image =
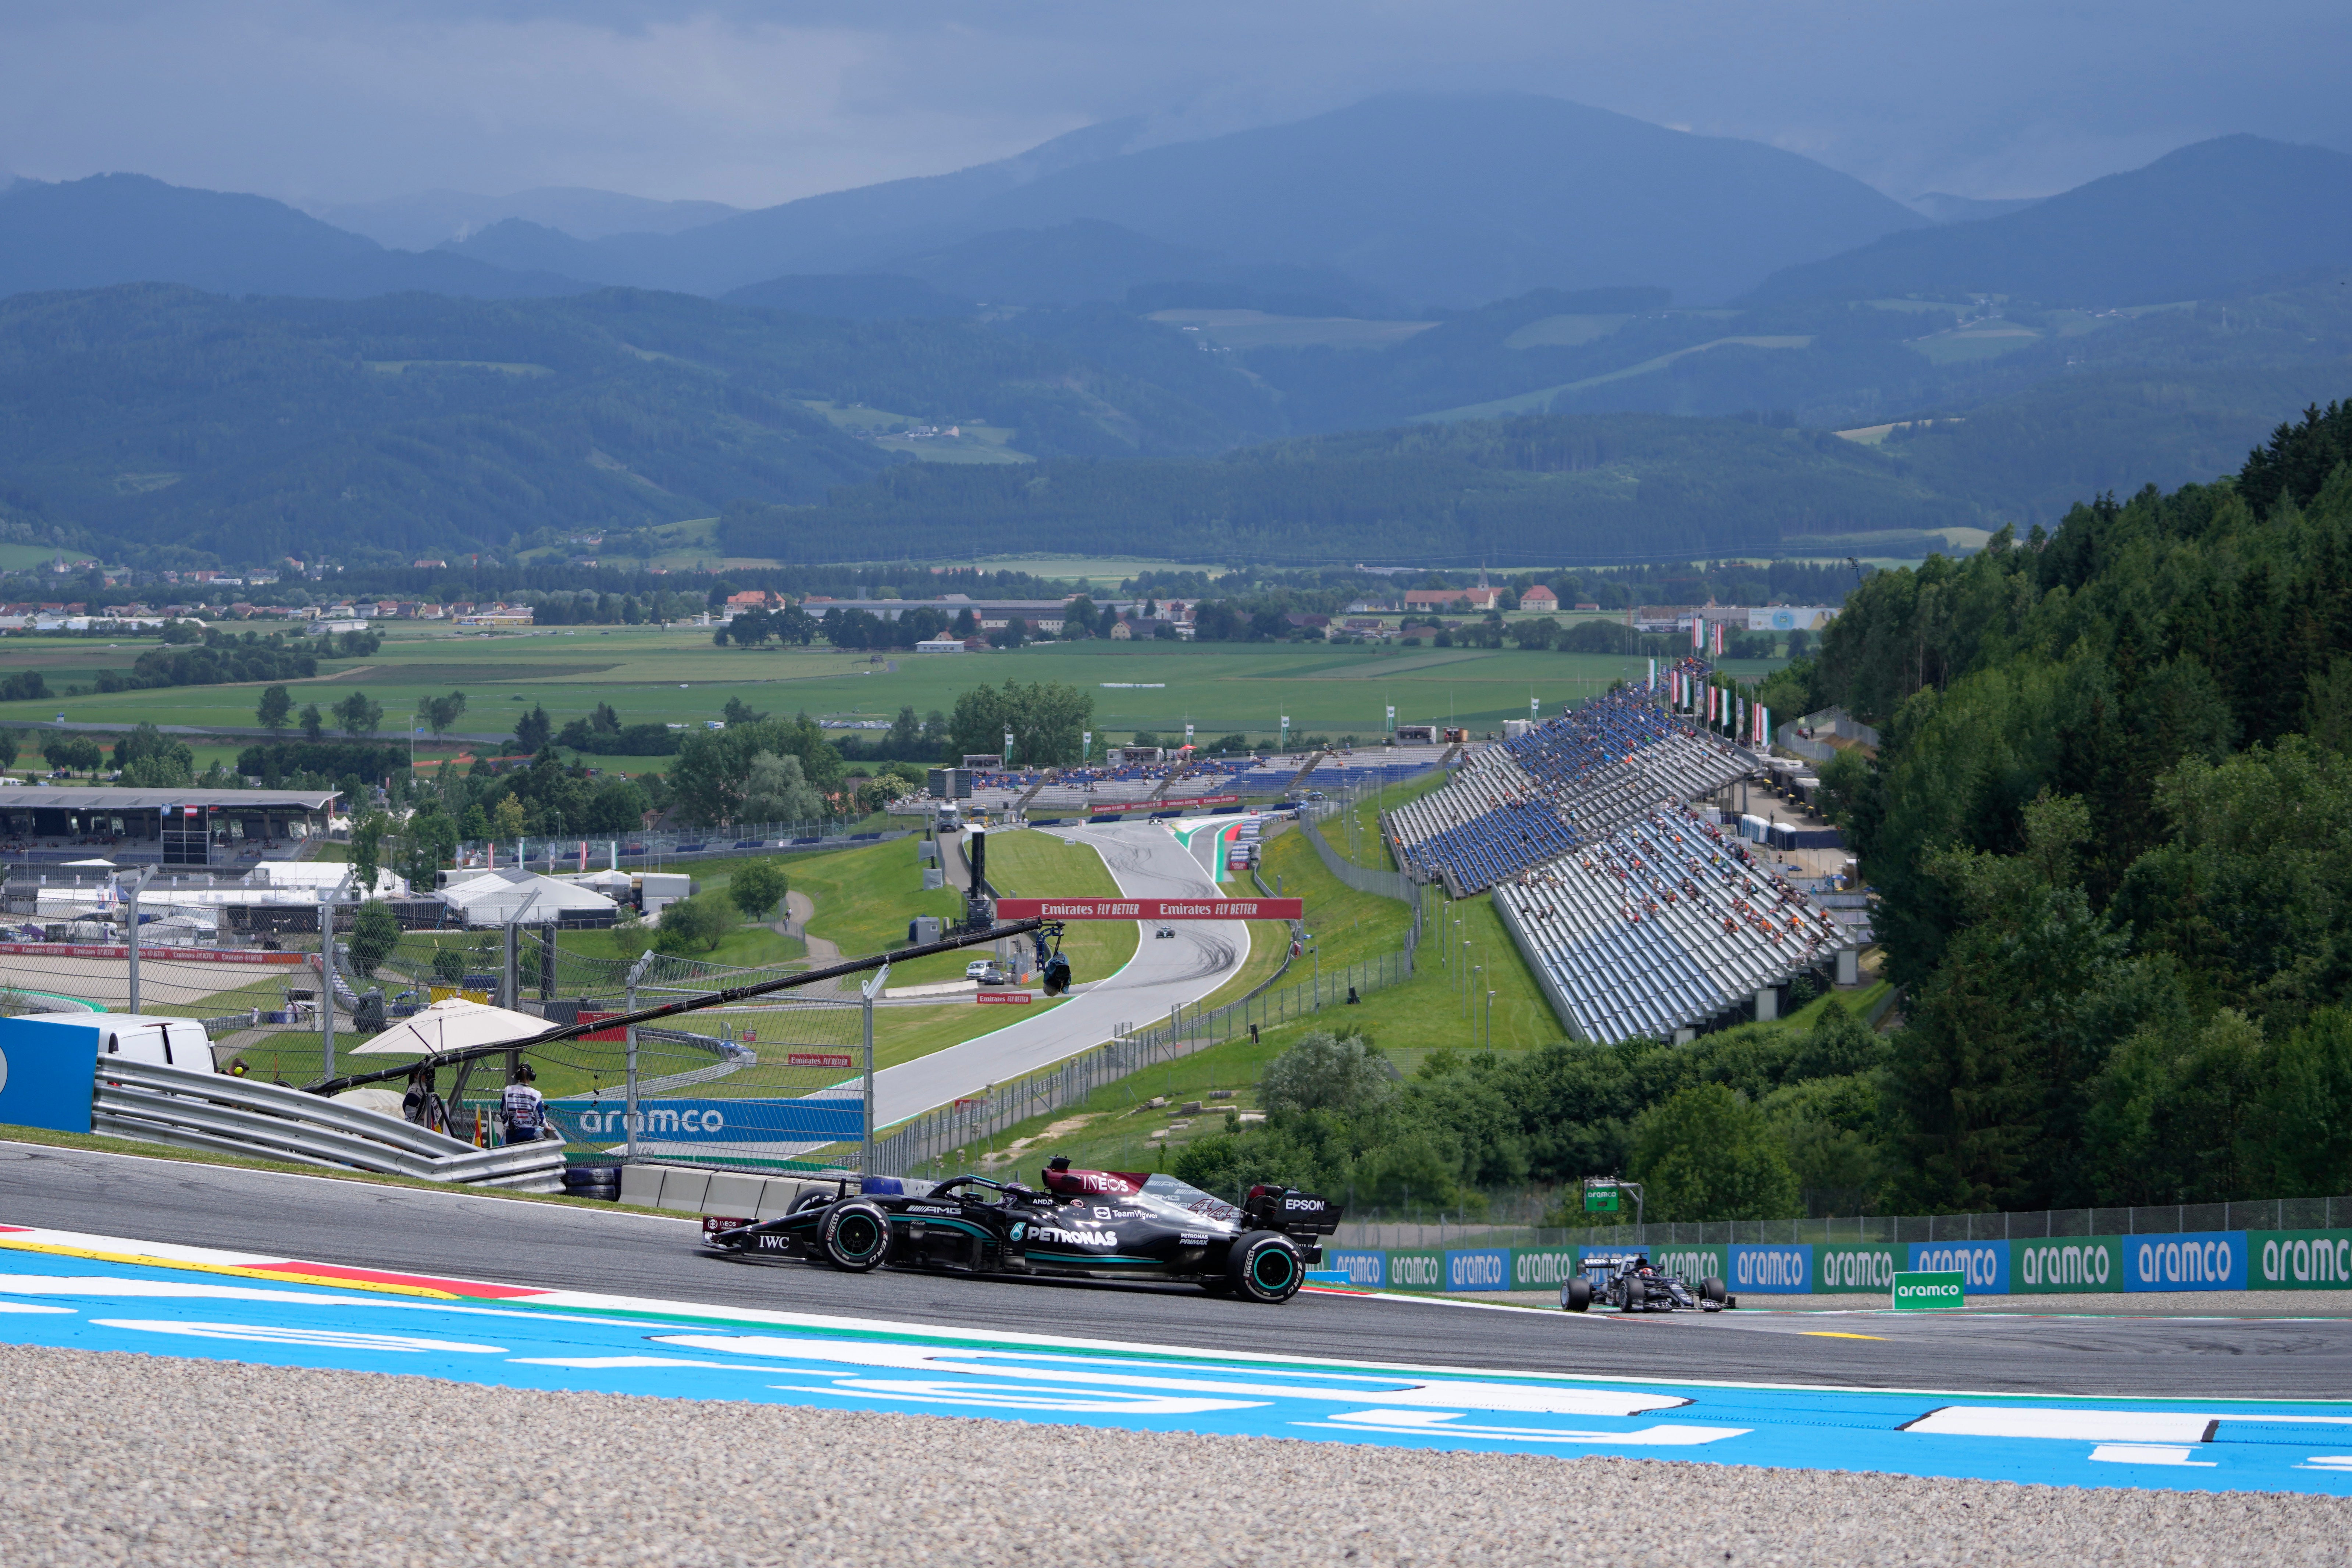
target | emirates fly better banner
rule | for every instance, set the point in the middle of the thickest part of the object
(1150, 909)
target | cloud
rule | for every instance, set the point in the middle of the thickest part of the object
(757, 102)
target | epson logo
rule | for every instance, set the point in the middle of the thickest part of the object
(1312, 1205)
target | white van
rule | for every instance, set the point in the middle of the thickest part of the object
(163, 1042)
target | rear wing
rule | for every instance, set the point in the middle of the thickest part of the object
(1291, 1212)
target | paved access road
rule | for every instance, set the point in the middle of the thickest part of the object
(560, 1247)
(1166, 971)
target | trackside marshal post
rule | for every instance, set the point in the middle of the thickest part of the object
(1150, 909)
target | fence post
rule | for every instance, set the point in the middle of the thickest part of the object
(629, 1115)
(327, 984)
(867, 994)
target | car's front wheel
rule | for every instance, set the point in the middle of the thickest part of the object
(855, 1236)
(1576, 1296)
(1266, 1265)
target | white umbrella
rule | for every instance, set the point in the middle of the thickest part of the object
(454, 1024)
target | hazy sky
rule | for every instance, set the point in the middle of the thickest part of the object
(754, 102)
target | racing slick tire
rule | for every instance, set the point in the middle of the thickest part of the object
(1714, 1289)
(1576, 1296)
(1266, 1265)
(855, 1236)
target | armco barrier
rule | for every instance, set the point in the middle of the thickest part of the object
(237, 1116)
(2208, 1260)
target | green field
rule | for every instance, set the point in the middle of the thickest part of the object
(651, 675)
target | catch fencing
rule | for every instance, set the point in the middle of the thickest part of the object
(2274, 1244)
(766, 1082)
(1363, 878)
(577, 853)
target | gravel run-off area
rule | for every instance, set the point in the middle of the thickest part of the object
(155, 1460)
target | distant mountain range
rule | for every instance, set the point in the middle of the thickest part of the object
(128, 228)
(1407, 264)
(2194, 223)
(427, 218)
(1443, 200)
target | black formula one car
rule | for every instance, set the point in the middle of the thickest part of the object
(1626, 1281)
(1101, 1225)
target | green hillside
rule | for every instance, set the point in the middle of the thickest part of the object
(1536, 489)
(249, 428)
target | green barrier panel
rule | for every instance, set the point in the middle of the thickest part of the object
(1416, 1271)
(1856, 1266)
(2067, 1264)
(1544, 1267)
(2299, 1259)
(1926, 1292)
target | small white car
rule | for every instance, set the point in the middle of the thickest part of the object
(984, 971)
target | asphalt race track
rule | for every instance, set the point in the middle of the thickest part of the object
(2118, 1355)
(1147, 862)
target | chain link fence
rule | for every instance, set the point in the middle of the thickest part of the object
(1363, 878)
(1460, 1230)
(296, 993)
(650, 851)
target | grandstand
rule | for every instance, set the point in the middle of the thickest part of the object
(1565, 783)
(1661, 927)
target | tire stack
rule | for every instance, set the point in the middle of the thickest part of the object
(599, 1181)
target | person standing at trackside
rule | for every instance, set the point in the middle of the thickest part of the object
(523, 1108)
(422, 1104)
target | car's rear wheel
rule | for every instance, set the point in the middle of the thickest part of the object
(1266, 1265)
(855, 1236)
(1577, 1294)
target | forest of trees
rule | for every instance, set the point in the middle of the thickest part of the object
(2111, 830)
(2111, 825)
